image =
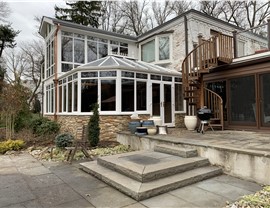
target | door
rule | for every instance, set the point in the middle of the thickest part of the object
(264, 100)
(162, 103)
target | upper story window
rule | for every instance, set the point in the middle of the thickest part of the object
(119, 48)
(73, 50)
(79, 49)
(157, 50)
(50, 57)
(96, 48)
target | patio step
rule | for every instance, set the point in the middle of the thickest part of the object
(145, 173)
(175, 150)
(139, 190)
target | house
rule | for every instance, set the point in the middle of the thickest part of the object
(127, 74)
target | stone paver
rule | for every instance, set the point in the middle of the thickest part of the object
(26, 182)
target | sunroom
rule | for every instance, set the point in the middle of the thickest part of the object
(120, 86)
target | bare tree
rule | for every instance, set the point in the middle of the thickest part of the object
(23, 66)
(212, 8)
(112, 18)
(162, 11)
(233, 12)
(136, 13)
(4, 11)
(179, 7)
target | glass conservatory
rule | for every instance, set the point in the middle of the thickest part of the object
(120, 86)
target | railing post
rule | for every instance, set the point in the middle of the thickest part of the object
(268, 31)
(235, 50)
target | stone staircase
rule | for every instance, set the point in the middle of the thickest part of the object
(143, 174)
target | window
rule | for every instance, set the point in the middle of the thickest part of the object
(50, 58)
(96, 48)
(156, 50)
(178, 97)
(148, 51)
(241, 48)
(242, 99)
(89, 94)
(127, 95)
(141, 93)
(108, 95)
(119, 48)
(164, 48)
(50, 98)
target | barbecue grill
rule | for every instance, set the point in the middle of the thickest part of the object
(204, 114)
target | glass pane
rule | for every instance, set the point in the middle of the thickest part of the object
(148, 51)
(108, 88)
(265, 99)
(165, 78)
(127, 74)
(75, 97)
(127, 95)
(91, 51)
(123, 51)
(155, 77)
(89, 74)
(78, 51)
(141, 76)
(70, 97)
(156, 99)
(164, 48)
(67, 49)
(102, 50)
(60, 99)
(114, 49)
(66, 67)
(178, 97)
(108, 73)
(167, 103)
(89, 94)
(141, 96)
(65, 99)
(242, 99)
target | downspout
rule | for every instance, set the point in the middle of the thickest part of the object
(186, 51)
(186, 34)
(55, 73)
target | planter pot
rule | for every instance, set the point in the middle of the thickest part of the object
(190, 122)
(147, 123)
(132, 125)
(151, 130)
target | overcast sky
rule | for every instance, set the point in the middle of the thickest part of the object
(23, 13)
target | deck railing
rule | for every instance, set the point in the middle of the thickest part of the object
(214, 102)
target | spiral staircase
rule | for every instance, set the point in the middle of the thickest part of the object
(204, 58)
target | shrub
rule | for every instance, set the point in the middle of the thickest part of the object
(93, 127)
(22, 119)
(11, 145)
(44, 126)
(63, 140)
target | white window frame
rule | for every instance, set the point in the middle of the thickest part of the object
(156, 38)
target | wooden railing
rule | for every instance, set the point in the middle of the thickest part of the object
(225, 51)
(214, 102)
(206, 55)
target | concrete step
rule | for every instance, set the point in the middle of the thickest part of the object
(175, 150)
(169, 165)
(139, 190)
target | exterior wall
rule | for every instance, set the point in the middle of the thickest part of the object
(179, 120)
(109, 125)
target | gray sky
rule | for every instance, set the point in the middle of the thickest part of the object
(23, 13)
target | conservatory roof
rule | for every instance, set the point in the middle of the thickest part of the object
(117, 62)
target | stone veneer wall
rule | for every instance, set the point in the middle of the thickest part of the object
(109, 125)
(179, 120)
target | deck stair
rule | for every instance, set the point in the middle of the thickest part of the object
(205, 57)
(144, 174)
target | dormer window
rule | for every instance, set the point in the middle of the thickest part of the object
(157, 50)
